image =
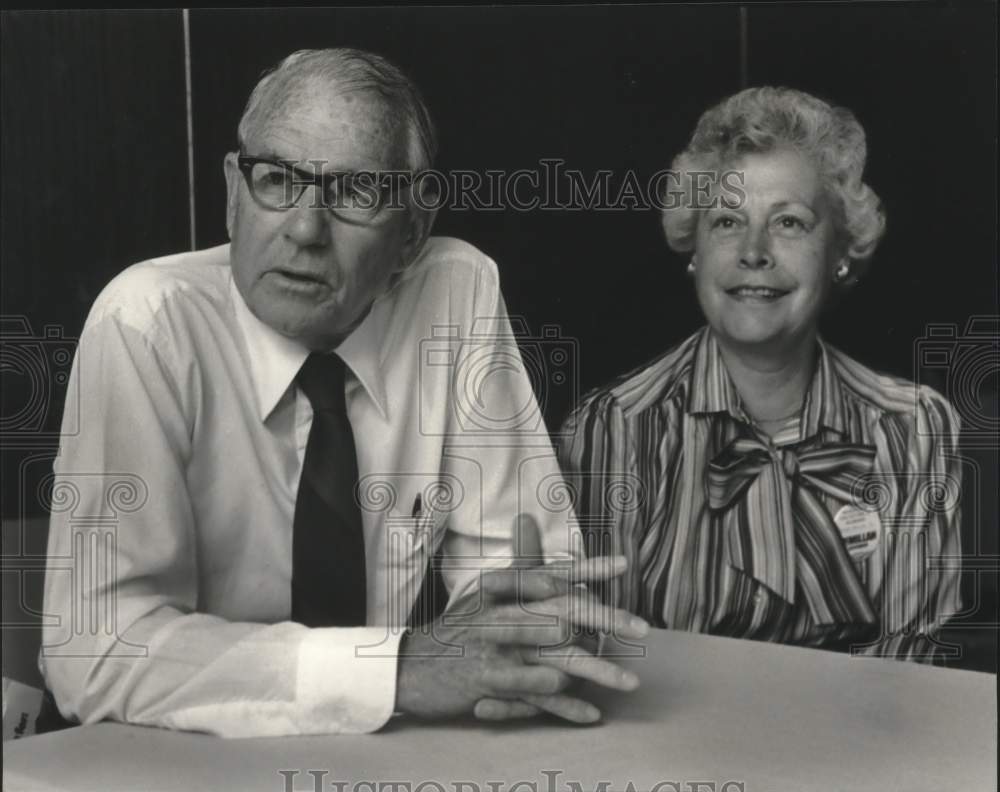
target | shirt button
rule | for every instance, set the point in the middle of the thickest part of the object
(758, 598)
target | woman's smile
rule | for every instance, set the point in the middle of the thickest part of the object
(756, 294)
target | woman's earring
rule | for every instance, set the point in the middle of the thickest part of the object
(690, 267)
(841, 273)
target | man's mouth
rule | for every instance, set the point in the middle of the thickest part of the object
(756, 292)
(298, 282)
(302, 277)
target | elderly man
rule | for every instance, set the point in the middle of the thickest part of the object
(276, 438)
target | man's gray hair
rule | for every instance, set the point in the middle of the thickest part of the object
(345, 70)
(765, 118)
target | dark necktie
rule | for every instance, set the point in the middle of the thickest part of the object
(328, 545)
(780, 487)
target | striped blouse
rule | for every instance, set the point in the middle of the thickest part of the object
(669, 470)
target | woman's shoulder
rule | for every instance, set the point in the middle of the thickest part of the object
(913, 403)
(652, 384)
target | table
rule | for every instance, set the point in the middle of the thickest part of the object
(760, 716)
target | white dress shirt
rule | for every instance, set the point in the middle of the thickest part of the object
(167, 596)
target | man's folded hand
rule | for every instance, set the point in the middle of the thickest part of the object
(513, 646)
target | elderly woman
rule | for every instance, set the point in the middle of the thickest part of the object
(776, 489)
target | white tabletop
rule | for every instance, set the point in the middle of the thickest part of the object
(710, 709)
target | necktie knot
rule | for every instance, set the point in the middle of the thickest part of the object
(322, 380)
(834, 468)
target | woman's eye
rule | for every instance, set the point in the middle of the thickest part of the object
(724, 222)
(791, 223)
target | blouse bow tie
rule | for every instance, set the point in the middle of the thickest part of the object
(780, 488)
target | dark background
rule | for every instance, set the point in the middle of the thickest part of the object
(95, 177)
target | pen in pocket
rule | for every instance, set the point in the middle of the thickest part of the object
(422, 521)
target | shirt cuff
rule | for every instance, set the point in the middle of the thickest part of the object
(347, 679)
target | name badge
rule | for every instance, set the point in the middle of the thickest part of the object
(860, 530)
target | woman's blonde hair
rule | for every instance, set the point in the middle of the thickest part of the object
(766, 118)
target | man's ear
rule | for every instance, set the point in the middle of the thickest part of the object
(233, 177)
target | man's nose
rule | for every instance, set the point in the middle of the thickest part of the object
(756, 251)
(309, 224)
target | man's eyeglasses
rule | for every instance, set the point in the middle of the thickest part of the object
(354, 197)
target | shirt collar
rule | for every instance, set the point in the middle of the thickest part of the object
(275, 359)
(825, 398)
(362, 352)
(711, 390)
